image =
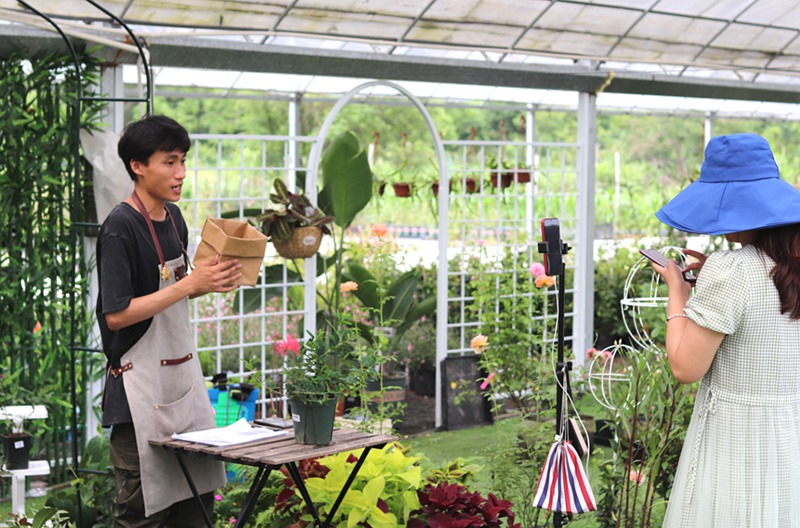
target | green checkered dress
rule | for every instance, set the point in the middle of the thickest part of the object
(740, 464)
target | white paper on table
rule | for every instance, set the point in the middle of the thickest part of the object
(239, 432)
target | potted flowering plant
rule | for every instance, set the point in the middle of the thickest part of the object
(329, 364)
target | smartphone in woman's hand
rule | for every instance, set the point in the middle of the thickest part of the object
(661, 260)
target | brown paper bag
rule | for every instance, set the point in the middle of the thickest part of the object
(233, 239)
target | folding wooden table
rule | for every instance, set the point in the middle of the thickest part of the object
(272, 453)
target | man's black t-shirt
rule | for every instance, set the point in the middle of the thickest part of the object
(127, 268)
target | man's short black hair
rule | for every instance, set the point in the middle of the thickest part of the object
(144, 137)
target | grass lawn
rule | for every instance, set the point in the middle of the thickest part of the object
(32, 505)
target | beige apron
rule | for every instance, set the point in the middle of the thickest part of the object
(167, 394)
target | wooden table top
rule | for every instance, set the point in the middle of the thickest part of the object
(278, 450)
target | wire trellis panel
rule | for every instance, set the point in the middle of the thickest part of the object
(500, 192)
(233, 175)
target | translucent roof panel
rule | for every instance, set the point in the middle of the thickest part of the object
(744, 41)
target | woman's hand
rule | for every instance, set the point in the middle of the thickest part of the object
(673, 277)
(694, 266)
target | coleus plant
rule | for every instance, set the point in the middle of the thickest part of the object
(454, 506)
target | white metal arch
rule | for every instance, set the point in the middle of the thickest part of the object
(441, 287)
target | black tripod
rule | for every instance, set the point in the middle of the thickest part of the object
(554, 249)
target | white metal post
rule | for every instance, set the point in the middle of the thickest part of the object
(530, 154)
(708, 127)
(583, 320)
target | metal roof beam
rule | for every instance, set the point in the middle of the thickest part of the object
(228, 55)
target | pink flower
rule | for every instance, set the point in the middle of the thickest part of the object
(636, 476)
(286, 345)
(544, 281)
(37, 328)
(591, 353)
(479, 343)
(348, 286)
(410, 347)
(379, 230)
(537, 270)
(217, 497)
(488, 380)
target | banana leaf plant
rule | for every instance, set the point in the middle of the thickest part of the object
(347, 189)
(392, 308)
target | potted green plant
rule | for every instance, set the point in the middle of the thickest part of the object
(392, 310)
(294, 226)
(16, 442)
(328, 365)
(417, 351)
(403, 183)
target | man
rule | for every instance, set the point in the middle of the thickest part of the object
(154, 385)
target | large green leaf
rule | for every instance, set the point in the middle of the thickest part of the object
(401, 296)
(367, 291)
(347, 179)
(247, 213)
(424, 307)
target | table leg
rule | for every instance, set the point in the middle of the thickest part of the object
(252, 496)
(298, 480)
(291, 467)
(190, 481)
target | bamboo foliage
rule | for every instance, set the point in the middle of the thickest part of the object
(38, 248)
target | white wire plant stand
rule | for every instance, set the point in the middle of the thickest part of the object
(645, 300)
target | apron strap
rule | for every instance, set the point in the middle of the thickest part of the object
(154, 236)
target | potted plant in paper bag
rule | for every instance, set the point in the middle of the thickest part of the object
(328, 365)
(294, 226)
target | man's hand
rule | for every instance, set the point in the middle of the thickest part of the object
(214, 276)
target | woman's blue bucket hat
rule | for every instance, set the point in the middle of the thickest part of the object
(740, 188)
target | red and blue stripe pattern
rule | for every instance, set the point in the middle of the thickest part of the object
(563, 485)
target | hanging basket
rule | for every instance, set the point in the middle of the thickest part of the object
(303, 243)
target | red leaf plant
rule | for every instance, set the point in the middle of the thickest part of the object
(454, 506)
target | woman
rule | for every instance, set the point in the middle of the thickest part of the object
(740, 334)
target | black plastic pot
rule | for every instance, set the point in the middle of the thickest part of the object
(313, 422)
(465, 404)
(603, 432)
(16, 450)
(423, 381)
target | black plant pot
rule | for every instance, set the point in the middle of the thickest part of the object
(604, 432)
(17, 450)
(423, 381)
